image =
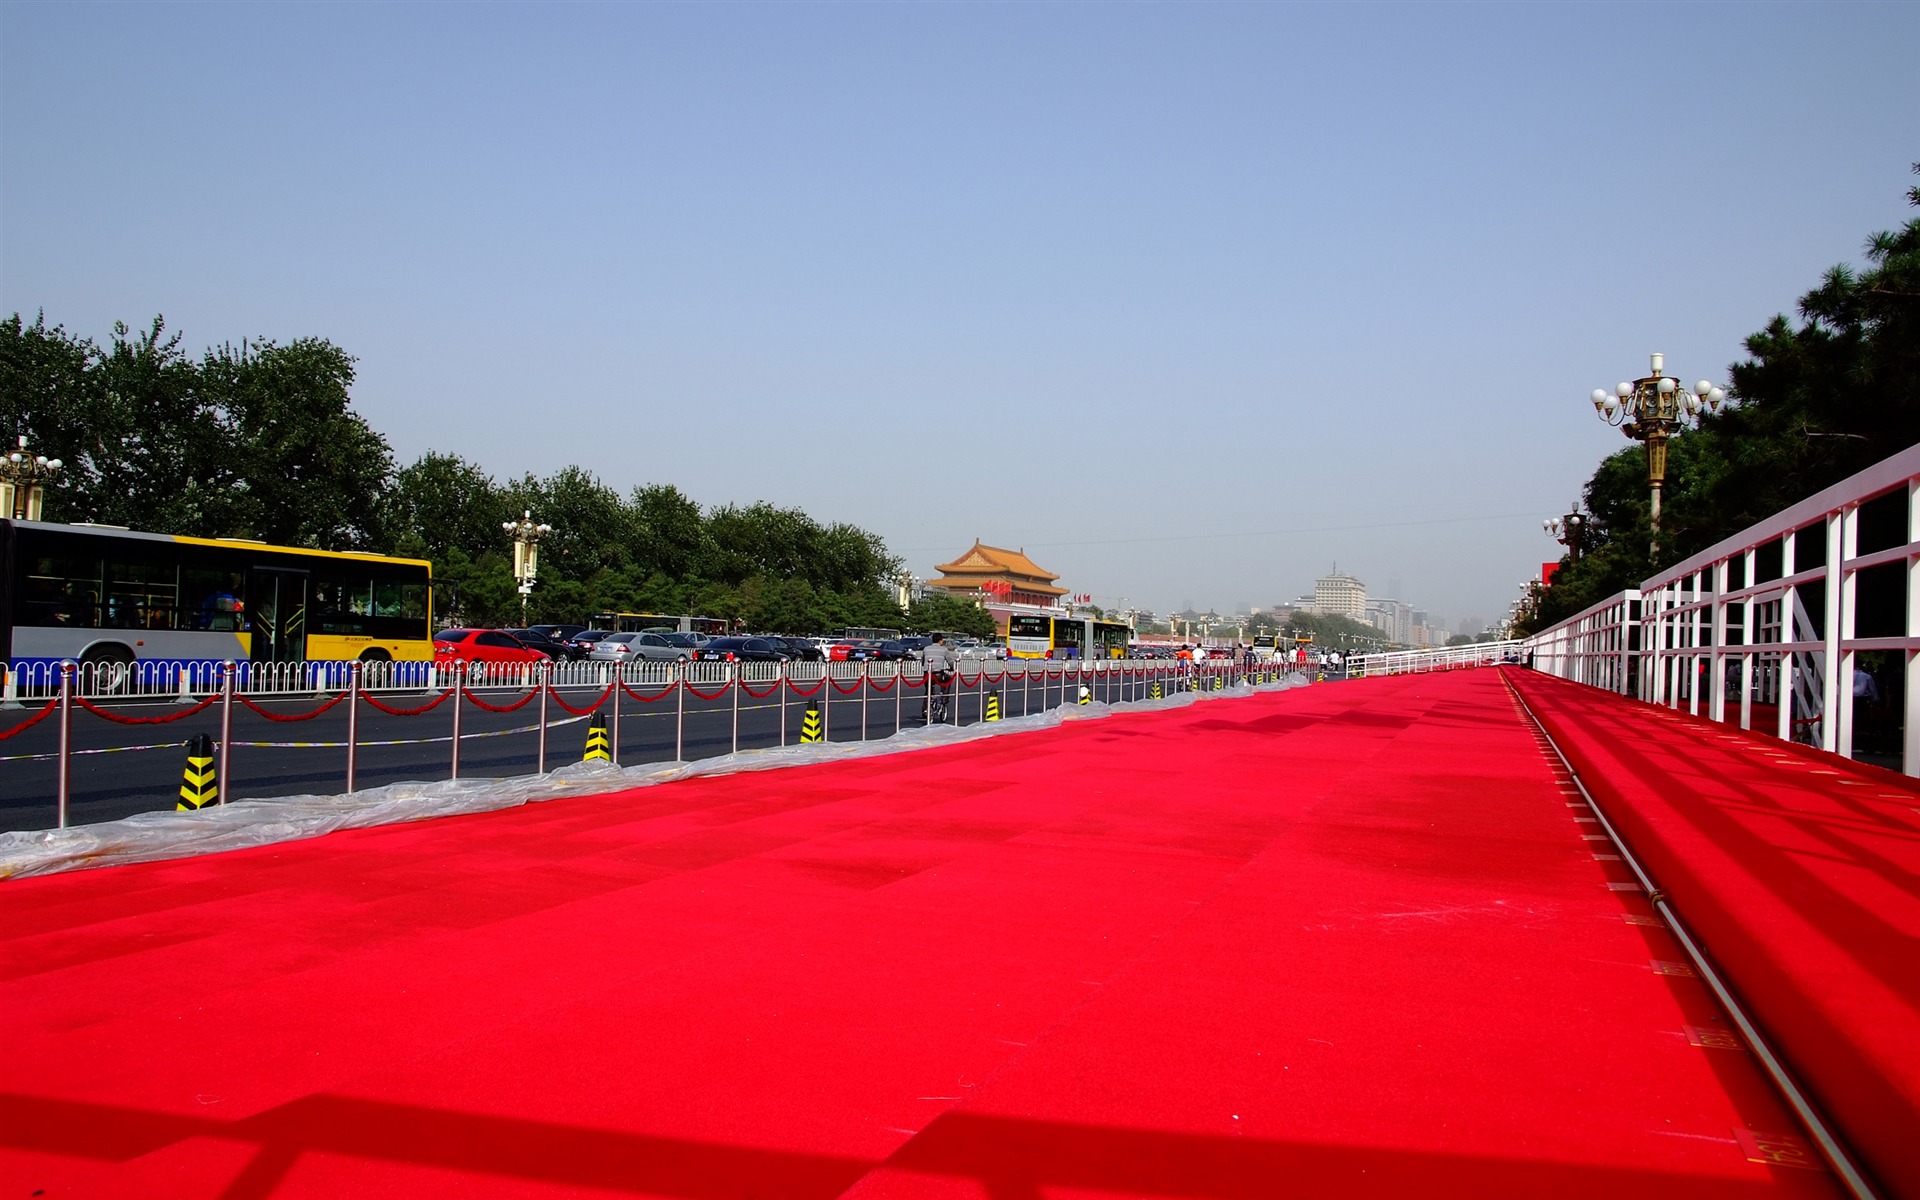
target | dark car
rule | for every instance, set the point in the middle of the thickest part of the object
(745, 649)
(581, 644)
(559, 633)
(533, 639)
(801, 649)
(901, 648)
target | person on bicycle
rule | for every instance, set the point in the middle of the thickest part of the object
(939, 664)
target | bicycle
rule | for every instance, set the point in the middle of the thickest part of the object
(933, 710)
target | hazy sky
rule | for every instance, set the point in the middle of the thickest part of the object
(1189, 301)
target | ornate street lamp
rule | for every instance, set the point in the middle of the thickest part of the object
(22, 482)
(1570, 531)
(526, 554)
(1650, 410)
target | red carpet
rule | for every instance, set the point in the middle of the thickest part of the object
(1344, 940)
(1799, 871)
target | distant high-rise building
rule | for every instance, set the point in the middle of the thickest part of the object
(1394, 618)
(1340, 595)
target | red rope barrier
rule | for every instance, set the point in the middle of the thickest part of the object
(759, 695)
(288, 717)
(516, 706)
(1000, 678)
(581, 712)
(664, 693)
(963, 679)
(812, 691)
(117, 719)
(883, 690)
(429, 706)
(33, 720)
(844, 691)
(697, 693)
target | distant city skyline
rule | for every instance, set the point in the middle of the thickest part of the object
(1181, 298)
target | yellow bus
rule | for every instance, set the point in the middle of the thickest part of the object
(632, 622)
(1032, 635)
(99, 594)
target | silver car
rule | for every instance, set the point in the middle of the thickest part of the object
(636, 647)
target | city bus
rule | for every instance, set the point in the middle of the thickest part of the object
(100, 595)
(1031, 635)
(632, 622)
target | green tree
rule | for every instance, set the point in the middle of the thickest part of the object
(1331, 631)
(935, 610)
(49, 391)
(306, 469)
(441, 502)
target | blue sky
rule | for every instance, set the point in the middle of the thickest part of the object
(1190, 301)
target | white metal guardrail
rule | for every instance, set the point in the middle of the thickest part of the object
(1805, 625)
(1599, 647)
(1437, 658)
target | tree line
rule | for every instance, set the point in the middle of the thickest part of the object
(260, 440)
(1816, 400)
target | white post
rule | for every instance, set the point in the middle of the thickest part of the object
(1749, 660)
(1784, 684)
(1831, 676)
(1910, 733)
(1849, 545)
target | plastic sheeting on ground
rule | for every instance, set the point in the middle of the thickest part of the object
(151, 837)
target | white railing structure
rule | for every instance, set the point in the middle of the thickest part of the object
(1599, 647)
(1775, 627)
(1437, 658)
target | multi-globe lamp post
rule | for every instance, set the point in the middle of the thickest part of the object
(526, 554)
(1651, 409)
(1569, 530)
(23, 478)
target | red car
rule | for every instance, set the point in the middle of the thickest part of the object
(482, 645)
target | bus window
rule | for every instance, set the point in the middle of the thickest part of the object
(62, 592)
(139, 596)
(210, 601)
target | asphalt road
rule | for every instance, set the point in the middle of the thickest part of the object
(119, 770)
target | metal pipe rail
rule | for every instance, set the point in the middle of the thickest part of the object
(611, 689)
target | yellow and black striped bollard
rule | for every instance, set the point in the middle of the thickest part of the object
(597, 749)
(810, 727)
(1153, 693)
(993, 706)
(199, 786)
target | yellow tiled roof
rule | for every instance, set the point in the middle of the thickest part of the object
(983, 559)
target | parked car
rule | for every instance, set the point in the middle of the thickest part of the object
(559, 633)
(901, 648)
(582, 643)
(688, 641)
(536, 640)
(637, 647)
(846, 649)
(482, 645)
(803, 649)
(744, 649)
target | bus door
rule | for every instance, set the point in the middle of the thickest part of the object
(277, 607)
